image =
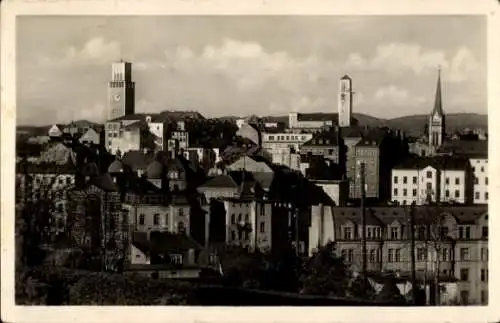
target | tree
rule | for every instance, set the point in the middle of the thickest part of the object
(325, 273)
(390, 293)
(242, 267)
(361, 288)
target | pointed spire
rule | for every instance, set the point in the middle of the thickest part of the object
(438, 104)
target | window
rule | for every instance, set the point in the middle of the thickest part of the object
(181, 212)
(395, 192)
(421, 254)
(397, 255)
(233, 218)
(457, 193)
(180, 227)
(464, 254)
(483, 275)
(444, 232)
(464, 274)
(347, 233)
(262, 209)
(457, 180)
(447, 193)
(141, 219)
(484, 297)
(429, 174)
(473, 169)
(484, 232)
(467, 233)
(156, 219)
(486, 181)
(482, 169)
(486, 196)
(247, 218)
(405, 180)
(262, 227)
(421, 233)
(239, 218)
(394, 233)
(372, 255)
(378, 232)
(350, 255)
(484, 254)
(176, 259)
(414, 192)
(343, 254)
(369, 233)
(233, 235)
(444, 253)
(405, 192)
(447, 181)
(460, 233)
(477, 196)
(414, 179)
(464, 297)
(390, 255)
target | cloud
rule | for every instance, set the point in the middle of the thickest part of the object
(395, 94)
(96, 50)
(400, 58)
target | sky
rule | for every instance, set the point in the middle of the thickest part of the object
(242, 65)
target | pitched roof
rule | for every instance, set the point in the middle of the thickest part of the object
(323, 138)
(438, 104)
(469, 148)
(136, 159)
(155, 117)
(155, 170)
(223, 181)
(163, 242)
(317, 117)
(105, 182)
(438, 162)
(353, 214)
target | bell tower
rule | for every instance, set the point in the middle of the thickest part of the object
(437, 124)
(345, 101)
(121, 91)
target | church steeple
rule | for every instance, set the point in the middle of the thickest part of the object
(438, 104)
(437, 125)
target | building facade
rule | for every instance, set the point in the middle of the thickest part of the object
(345, 101)
(121, 91)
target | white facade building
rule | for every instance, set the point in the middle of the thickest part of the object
(480, 171)
(444, 179)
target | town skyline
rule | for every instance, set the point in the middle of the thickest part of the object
(217, 63)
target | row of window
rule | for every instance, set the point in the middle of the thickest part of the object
(288, 138)
(476, 181)
(61, 180)
(394, 255)
(421, 233)
(474, 168)
(244, 234)
(429, 176)
(464, 274)
(156, 218)
(477, 195)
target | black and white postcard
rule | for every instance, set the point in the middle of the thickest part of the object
(249, 160)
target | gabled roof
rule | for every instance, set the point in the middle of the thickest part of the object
(163, 242)
(104, 182)
(469, 148)
(353, 214)
(222, 181)
(136, 159)
(317, 117)
(437, 162)
(323, 138)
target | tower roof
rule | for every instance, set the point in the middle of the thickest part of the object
(438, 104)
(345, 77)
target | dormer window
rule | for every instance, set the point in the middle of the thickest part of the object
(394, 233)
(347, 233)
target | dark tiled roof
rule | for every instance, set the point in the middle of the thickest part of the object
(265, 180)
(163, 242)
(438, 162)
(224, 181)
(116, 167)
(136, 125)
(46, 168)
(469, 148)
(345, 77)
(142, 186)
(317, 117)
(423, 214)
(136, 159)
(352, 132)
(155, 117)
(323, 138)
(104, 182)
(155, 170)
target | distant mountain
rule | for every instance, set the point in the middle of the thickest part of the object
(413, 125)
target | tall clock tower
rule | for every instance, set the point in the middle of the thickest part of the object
(345, 101)
(437, 125)
(121, 91)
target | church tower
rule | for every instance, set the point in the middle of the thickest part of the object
(437, 125)
(345, 101)
(121, 91)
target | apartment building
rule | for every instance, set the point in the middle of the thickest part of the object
(479, 166)
(439, 178)
(457, 236)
